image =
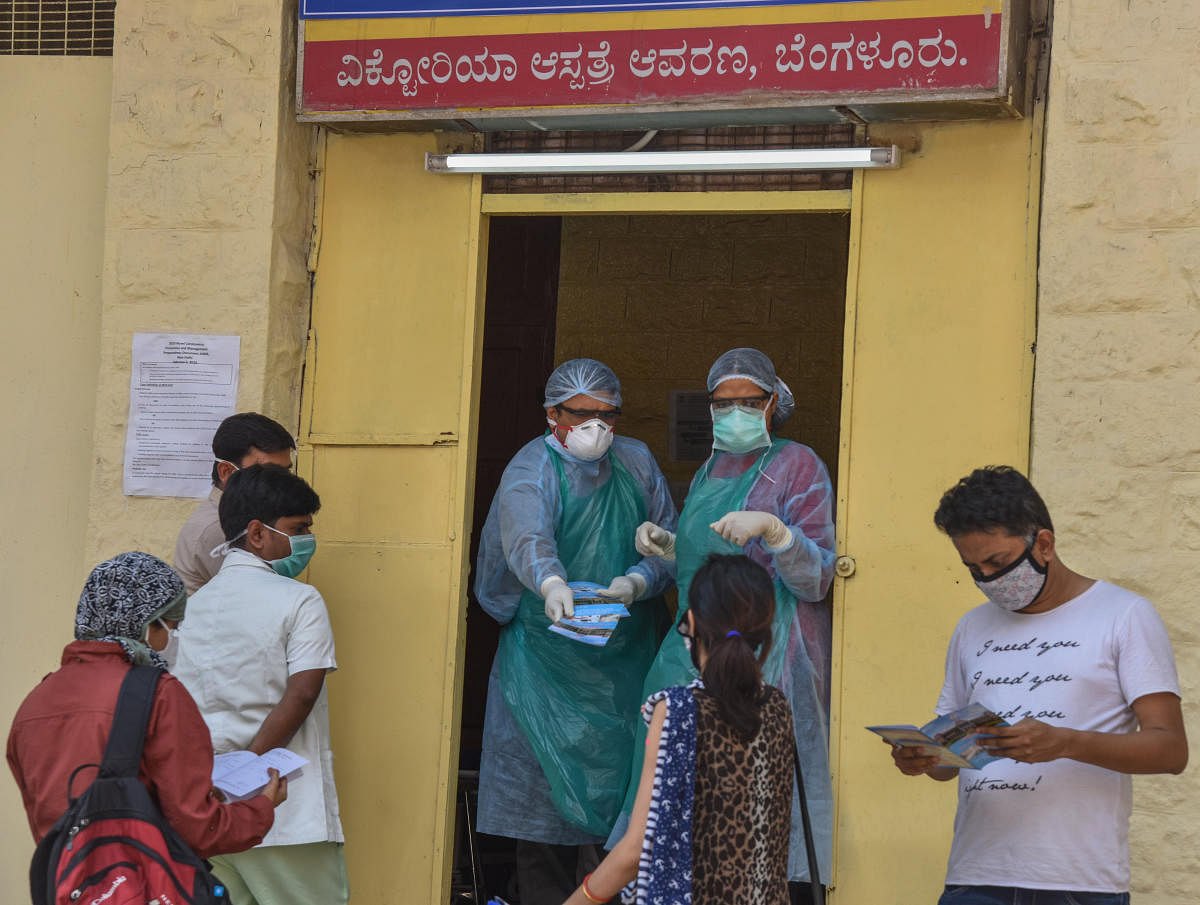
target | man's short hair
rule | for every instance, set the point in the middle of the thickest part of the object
(239, 433)
(264, 492)
(989, 498)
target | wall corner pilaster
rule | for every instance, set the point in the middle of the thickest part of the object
(207, 219)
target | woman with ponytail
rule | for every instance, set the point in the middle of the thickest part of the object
(711, 819)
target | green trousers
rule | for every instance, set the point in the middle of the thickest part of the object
(311, 874)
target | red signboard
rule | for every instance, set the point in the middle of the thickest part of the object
(863, 59)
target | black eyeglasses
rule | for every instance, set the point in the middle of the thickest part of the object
(755, 402)
(606, 415)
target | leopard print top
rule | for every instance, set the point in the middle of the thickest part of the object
(742, 806)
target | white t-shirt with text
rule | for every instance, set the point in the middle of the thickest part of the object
(1062, 824)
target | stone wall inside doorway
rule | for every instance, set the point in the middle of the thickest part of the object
(659, 297)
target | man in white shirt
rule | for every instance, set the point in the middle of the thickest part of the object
(254, 654)
(246, 438)
(1084, 672)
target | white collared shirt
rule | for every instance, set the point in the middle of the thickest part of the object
(245, 633)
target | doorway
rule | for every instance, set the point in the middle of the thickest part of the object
(657, 297)
(940, 312)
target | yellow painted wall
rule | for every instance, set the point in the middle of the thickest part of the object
(52, 168)
(1116, 427)
(203, 228)
(209, 210)
(939, 372)
(389, 445)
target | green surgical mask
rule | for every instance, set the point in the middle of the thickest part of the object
(303, 548)
(740, 429)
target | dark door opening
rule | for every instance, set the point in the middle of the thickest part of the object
(518, 353)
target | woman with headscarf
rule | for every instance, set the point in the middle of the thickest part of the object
(769, 499)
(127, 611)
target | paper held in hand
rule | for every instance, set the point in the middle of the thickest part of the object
(243, 774)
(595, 617)
(953, 738)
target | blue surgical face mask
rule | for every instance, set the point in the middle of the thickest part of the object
(740, 429)
(303, 548)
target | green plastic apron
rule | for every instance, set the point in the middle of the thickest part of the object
(708, 500)
(578, 705)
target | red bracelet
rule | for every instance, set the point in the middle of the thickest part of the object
(591, 898)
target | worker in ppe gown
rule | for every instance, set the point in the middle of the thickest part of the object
(769, 499)
(562, 715)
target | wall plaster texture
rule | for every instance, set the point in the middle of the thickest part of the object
(1116, 427)
(209, 212)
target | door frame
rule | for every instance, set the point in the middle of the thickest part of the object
(817, 201)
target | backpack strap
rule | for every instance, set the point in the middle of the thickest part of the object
(123, 754)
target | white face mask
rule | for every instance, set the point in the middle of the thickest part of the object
(171, 650)
(588, 441)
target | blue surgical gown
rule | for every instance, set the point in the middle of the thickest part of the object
(518, 551)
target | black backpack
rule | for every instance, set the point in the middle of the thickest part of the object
(112, 846)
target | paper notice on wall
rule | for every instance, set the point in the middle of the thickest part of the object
(691, 426)
(182, 387)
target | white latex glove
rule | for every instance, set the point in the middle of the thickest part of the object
(560, 600)
(651, 540)
(740, 526)
(625, 588)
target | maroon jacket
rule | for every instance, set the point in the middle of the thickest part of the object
(64, 722)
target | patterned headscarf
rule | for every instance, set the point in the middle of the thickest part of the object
(122, 597)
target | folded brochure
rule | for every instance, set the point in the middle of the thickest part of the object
(243, 774)
(595, 617)
(953, 737)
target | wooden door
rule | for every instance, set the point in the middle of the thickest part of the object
(387, 441)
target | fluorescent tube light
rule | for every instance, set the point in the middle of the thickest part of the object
(554, 163)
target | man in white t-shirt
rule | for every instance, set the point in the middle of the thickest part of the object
(254, 654)
(1084, 673)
